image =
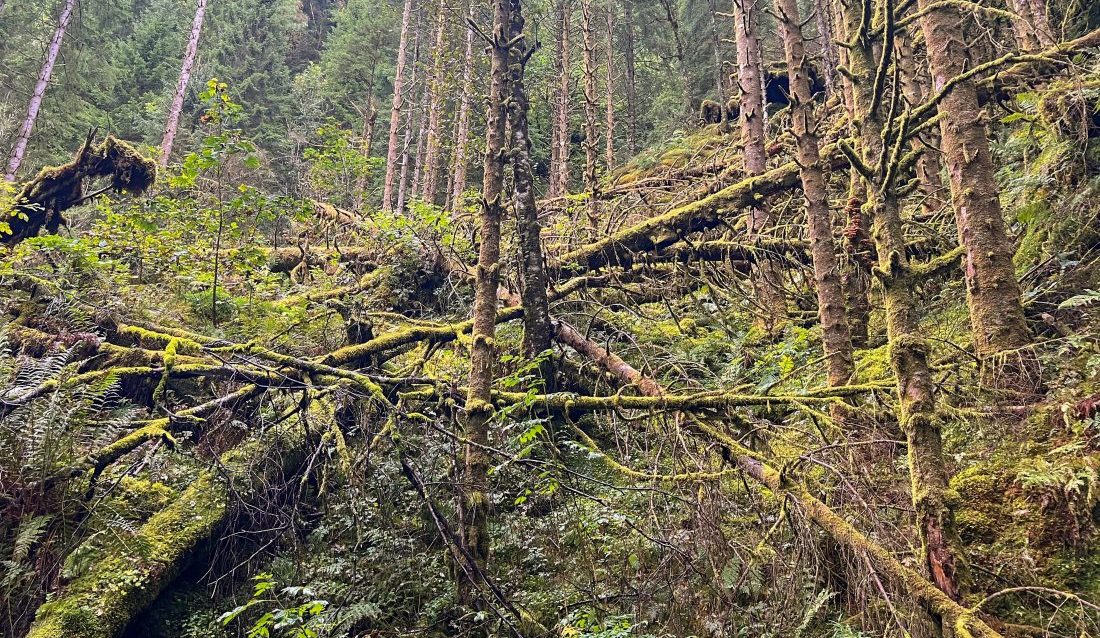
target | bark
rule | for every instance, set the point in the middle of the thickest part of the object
(836, 339)
(914, 86)
(1002, 339)
(398, 105)
(629, 80)
(1040, 17)
(181, 86)
(830, 55)
(44, 74)
(609, 129)
(1022, 27)
(473, 500)
(765, 278)
(462, 127)
(435, 116)
(104, 601)
(532, 266)
(591, 136)
(559, 166)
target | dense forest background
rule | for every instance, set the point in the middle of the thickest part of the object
(569, 318)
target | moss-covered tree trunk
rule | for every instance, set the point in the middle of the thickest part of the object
(914, 86)
(532, 262)
(836, 339)
(591, 136)
(1002, 339)
(473, 500)
(941, 548)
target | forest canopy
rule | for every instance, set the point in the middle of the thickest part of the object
(655, 318)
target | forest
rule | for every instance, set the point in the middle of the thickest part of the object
(550, 318)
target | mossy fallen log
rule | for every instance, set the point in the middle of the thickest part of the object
(959, 620)
(41, 202)
(103, 601)
(662, 231)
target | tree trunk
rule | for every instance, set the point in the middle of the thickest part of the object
(406, 152)
(631, 88)
(765, 276)
(462, 132)
(559, 165)
(836, 340)
(1002, 339)
(914, 88)
(671, 11)
(716, 43)
(536, 311)
(20, 147)
(393, 148)
(473, 499)
(366, 141)
(590, 134)
(421, 135)
(181, 86)
(941, 548)
(609, 131)
(435, 116)
(830, 56)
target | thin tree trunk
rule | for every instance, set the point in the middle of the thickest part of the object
(830, 55)
(536, 311)
(1002, 339)
(181, 87)
(559, 167)
(462, 132)
(366, 142)
(716, 44)
(631, 88)
(681, 58)
(836, 340)
(590, 134)
(435, 117)
(609, 131)
(20, 147)
(406, 151)
(398, 105)
(765, 275)
(914, 87)
(473, 499)
(421, 135)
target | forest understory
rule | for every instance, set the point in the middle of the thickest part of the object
(780, 319)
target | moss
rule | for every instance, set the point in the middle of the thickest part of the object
(873, 365)
(102, 602)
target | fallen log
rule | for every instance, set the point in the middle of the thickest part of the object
(102, 602)
(41, 202)
(963, 621)
(657, 233)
